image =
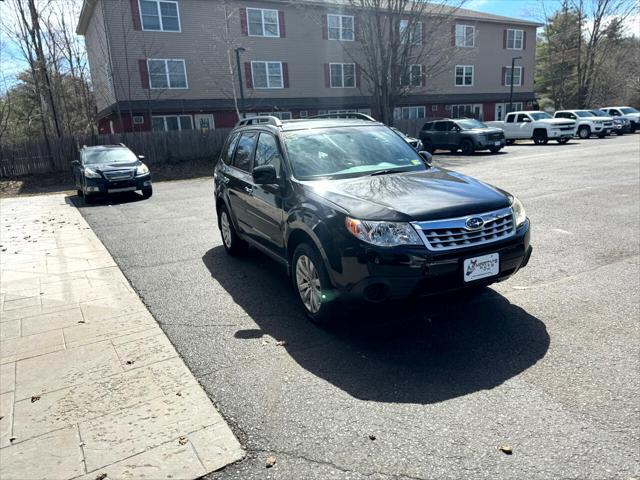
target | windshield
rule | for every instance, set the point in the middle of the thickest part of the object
(539, 115)
(629, 110)
(398, 132)
(599, 113)
(469, 124)
(583, 113)
(111, 155)
(348, 152)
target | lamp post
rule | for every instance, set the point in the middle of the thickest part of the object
(239, 50)
(513, 62)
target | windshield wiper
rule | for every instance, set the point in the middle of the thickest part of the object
(389, 170)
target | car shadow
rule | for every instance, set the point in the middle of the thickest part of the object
(424, 351)
(101, 201)
(550, 144)
(482, 153)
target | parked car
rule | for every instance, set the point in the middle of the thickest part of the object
(620, 125)
(414, 142)
(587, 123)
(466, 134)
(352, 211)
(106, 169)
(538, 126)
(629, 113)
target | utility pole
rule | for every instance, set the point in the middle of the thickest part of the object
(239, 50)
(513, 64)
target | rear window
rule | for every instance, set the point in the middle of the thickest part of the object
(428, 126)
(242, 158)
(231, 147)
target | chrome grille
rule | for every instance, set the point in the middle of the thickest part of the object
(119, 174)
(450, 234)
(495, 136)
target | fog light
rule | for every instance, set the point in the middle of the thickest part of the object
(93, 189)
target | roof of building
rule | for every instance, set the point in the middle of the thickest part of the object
(458, 13)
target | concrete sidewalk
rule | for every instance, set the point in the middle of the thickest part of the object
(89, 383)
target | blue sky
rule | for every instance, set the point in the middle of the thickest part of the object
(524, 9)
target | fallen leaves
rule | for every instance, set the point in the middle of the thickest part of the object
(271, 461)
(372, 437)
(506, 449)
(183, 440)
(102, 476)
(35, 398)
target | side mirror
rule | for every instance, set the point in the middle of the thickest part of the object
(75, 163)
(141, 157)
(426, 156)
(526, 120)
(265, 175)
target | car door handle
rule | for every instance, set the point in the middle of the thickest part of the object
(249, 190)
(224, 179)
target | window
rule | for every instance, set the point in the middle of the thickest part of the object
(165, 123)
(231, 148)
(428, 126)
(517, 76)
(410, 33)
(442, 126)
(165, 73)
(522, 118)
(464, 75)
(267, 152)
(161, 15)
(267, 74)
(511, 118)
(412, 76)
(409, 113)
(263, 23)
(461, 111)
(303, 114)
(340, 27)
(465, 35)
(342, 75)
(138, 119)
(434, 108)
(515, 39)
(242, 158)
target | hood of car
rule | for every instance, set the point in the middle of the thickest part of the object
(106, 167)
(411, 196)
(557, 121)
(484, 131)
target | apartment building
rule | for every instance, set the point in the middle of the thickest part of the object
(171, 64)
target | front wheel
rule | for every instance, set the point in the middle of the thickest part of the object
(619, 133)
(602, 135)
(233, 244)
(467, 147)
(562, 141)
(540, 138)
(495, 149)
(584, 132)
(312, 284)
(147, 192)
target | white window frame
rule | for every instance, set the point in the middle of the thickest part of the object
(464, 75)
(398, 112)
(158, 2)
(507, 71)
(463, 35)
(264, 30)
(341, 29)
(266, 64)
(355, 80)
(303, 114)
(164, 119)
(137, 119)
(402, 29)
(411, 78)
(515, 31)
(434, 108)
(166, 72)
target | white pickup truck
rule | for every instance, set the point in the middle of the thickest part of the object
(538, 126)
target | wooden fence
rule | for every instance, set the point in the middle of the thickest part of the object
(34, 157)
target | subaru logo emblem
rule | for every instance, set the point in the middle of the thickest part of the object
(474, 223)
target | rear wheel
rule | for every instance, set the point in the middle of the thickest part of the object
(467, 147)
(540, 137)
(233, 244)
(584, 132)
(312, 284)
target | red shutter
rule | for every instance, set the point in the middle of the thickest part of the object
(243, 21)
(285, 74)
(135, 15)
(283, 30)
(522, 76)
(504, 39)
(453, 35)
(424, 75)
(248, 75)
(504, 76)
(144, 73)
(524, 40)
(327, 76)
(325, 28)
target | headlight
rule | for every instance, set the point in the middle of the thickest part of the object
(89, 173)
(383, 234)
(142, 170)
(518, 212)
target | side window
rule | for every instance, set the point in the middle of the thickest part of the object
(267, 152)
(510, 118)
(231, 147)
(242, 158)
(522, 118)
(615, 113)
(428, 126)
(450, 126)
(440, 126)
(561, 115)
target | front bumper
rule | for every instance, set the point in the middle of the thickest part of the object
(561, 133)
(102, 186)
(485, 143)
(377, 274)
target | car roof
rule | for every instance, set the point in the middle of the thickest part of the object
(103, 147)
(308, 124)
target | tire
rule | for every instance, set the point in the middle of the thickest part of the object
(147, 192)
(540, 137)
(89, 198)
(495, 149)
(307, 268)
(584, 132)
(602, 135)
(467, 147)
(453, 150)
(233, 244)
(510, 142)
(79, 192)
(562, 141)
(619, 133)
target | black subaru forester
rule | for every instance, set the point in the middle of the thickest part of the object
(352, 211)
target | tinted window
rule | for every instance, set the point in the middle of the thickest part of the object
(108, 155)
(440, 126)
(510, 118)
(470, 123)
(522, 118)
(428, 126)
(540, 115)
(562, 115)
(231, 147)
(267, 152)
(242, 159)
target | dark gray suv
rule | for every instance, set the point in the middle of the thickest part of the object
(466, 134)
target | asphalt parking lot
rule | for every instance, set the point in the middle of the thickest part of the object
(546, 362)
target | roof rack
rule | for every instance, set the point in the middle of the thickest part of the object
(356, 115)
(269, 120)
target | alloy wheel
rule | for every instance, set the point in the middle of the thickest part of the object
(225, 228)
(308, 283)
